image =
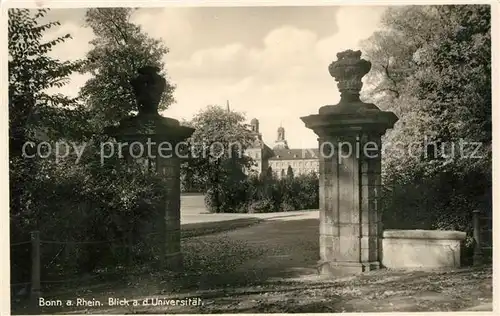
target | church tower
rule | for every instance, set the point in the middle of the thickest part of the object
(259, 151)
(254, 124)
(281, 142)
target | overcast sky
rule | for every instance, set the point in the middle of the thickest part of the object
(269, 62)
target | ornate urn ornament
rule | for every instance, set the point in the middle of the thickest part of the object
(348, 71)
(148, 88)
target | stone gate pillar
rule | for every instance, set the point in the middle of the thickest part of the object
(160, 139)
(350, 152)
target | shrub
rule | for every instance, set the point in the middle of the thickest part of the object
(87, 202)
(264, 194)
(286, 207)
(261, 206)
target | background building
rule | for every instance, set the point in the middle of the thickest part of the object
(301, 160)
(259, 152)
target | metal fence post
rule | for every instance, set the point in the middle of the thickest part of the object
(478, 255)
(35, 268)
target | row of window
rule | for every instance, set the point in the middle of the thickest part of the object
(253, 155)
(294, 164)
(296, 171)
(285, 164)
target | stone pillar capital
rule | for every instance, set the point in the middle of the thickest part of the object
(150, 126)
(371, 123)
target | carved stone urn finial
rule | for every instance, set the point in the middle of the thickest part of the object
(148, 88)
(348, 71)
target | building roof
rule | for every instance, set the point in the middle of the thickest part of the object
(281, 144)
(295, 154)
(254, 120)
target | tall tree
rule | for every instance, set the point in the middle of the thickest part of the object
(32, 110)
(31, 73)
(217, 149)
(120, 48)
(432, 66)
(35, 114)
(289, 172)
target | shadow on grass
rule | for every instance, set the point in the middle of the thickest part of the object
(219, 255)
(252, 255)
(206, 228)
(270, 267)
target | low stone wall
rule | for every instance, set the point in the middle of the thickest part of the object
(421, 249)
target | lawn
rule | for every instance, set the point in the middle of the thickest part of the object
(270, 267)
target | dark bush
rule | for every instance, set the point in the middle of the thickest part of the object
(108, 204)
(443, 201)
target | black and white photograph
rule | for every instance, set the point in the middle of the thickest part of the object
(227, 158)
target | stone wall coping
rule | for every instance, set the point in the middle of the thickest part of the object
(424, 234)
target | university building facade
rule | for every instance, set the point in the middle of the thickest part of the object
(301, 160)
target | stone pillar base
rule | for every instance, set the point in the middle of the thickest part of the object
(339, 268)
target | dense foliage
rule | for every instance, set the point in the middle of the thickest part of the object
(269, 193)
(291, 193)
(216, 156)
(432, 67)
(33, 113)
